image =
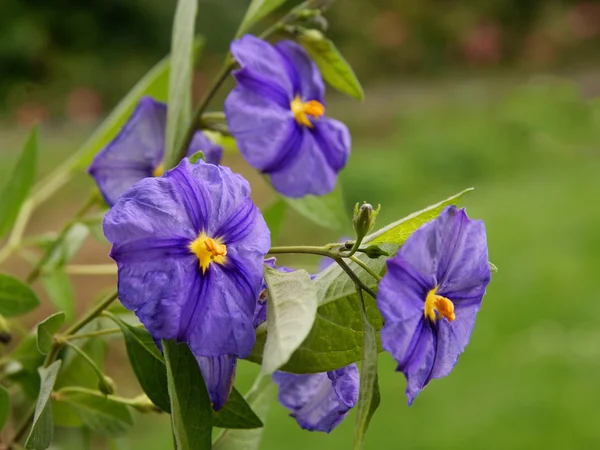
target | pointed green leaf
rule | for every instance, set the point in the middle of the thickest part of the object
(334, 68)
(65, 249)
(147, 363)
(57, 285)
(98, 412)
(399, 231)
(179, 111)
(368, 397)
(327, 211)
(236, 413)
(16, 298)
(46, 331)
(4, 406)
(42, 429)
(198, 156)
(291, 313)
(259, 398)
(257, 10)
(191, 412)
(19, 182)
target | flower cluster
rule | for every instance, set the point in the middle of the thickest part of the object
(190, 244)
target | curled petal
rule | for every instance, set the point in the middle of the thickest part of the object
(320, 401)
(134, 153)
(259, 58)
(419, 366)
(302, 71)
(334, 141)
(219, 374)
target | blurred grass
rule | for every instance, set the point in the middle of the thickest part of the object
(529, 377)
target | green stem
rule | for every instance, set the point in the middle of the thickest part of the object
(91, 334)
(35, 273)
(91, 269)
(87, 359)
(92, 314)
(354, 277)
(303, 249)
(16, 235)
(365, 267)
(133, 402)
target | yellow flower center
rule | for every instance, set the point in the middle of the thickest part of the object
(442, 305)
(158, 170)
(208, 250)
(302, 110)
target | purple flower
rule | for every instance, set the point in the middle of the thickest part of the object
(319, 401)
(430, 296)
(138, 150)
(190, 247)
(219, 374)
(276, 114)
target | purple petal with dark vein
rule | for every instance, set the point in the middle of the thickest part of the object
(261, 129)
(196, 201)
(289, 151)
(418, 369)
(224, 323)
(240, 224)
(334, 141)
(303, 72)
(320, 401)
(219, 374)
(156, 290)
(262, 58)
(255, 82)
(150, 210)
(307, 173)
(133, 153)
(149, 248)
(212, 152)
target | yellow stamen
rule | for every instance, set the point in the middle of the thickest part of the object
(158, 170)
(442, 305)
(302, 110)
(208, 250)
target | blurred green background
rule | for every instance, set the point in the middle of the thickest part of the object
(498, 95)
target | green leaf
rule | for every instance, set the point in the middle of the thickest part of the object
(236, 413)
(336, 338)
(291, 313)
(399, 231)
(46, 331)
(98, 412)
(147, 363)
(368, 397)
(334, 68)
(327, 211)
(19, 182)
(257, 10)
(42, 430)
(60, 292)
(259, 398)
(67, 248)
(154, 84)
(180, 81)
(4, 406)
(274, 216)
(16, 298)
(191, 412)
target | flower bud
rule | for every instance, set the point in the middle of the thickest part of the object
(364, 219)
(310, 35)
(374, 252)
(5, 336)
(107, 386)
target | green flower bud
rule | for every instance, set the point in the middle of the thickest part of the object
(5, 336)
(374, 252)
(364, 219)
(107, 386)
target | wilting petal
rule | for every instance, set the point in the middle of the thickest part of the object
(302, 71)
(320, 401)
(308, 172)
(262, 129)
(212, 152)
(219, 374)
(134, 153)
(261, 59)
